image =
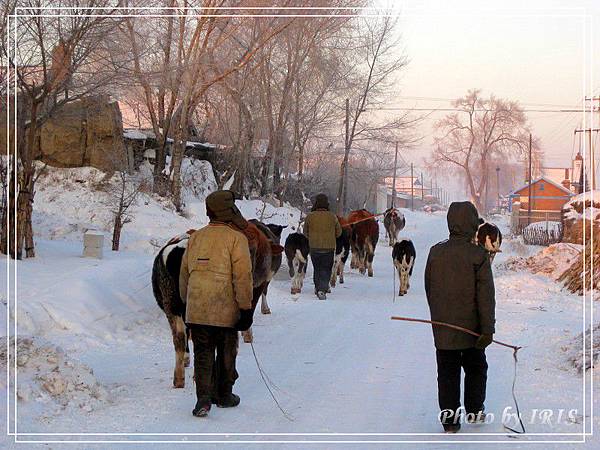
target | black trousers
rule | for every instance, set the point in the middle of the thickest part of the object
(322, 265)
(215, 351)
(449, 364)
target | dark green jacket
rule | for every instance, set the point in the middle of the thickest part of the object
(322, 228)
(459, 283)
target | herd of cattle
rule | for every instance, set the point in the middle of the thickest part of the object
(359, 238)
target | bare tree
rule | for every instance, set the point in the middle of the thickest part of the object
(54, 60)
(482, 131)
(377, 61)
(121, 196)
(195, 52)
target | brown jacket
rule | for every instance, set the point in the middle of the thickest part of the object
(322, 228)
(216, 276)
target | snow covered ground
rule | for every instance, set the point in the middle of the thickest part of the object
(99, 356)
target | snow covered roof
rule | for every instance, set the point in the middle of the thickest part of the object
(589, 195)
(134, 134)
(547, 180)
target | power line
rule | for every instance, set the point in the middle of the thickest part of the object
(475, 110)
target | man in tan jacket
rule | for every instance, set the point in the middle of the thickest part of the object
(216, 282)
(322, 228)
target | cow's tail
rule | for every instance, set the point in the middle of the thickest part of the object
(300, 256)
(369, 244)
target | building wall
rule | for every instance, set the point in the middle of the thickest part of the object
(546, 197)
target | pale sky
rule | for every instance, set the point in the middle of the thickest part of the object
(531, 51)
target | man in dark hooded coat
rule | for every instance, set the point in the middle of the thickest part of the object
(460, 291)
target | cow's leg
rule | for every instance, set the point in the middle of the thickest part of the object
(362, 268)
(186, 358)
(341, 271)
(179, 342)
(301, 275)
(334, 271)
(354, 260)
(264, 306)
(247, 335)
(295, 279)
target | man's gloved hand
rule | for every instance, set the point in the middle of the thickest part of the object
(483, 341)
(245, 320)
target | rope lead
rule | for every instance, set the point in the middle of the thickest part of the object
(264, 377)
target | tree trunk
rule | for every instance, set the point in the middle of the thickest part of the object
(176, 160)
(160, 180)
(116, 239)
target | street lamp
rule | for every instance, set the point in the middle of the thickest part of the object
(498, 185)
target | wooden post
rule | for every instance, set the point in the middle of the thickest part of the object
(412, 188)
(394, 179)
(530, 180)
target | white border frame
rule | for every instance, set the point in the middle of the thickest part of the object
(586, 84)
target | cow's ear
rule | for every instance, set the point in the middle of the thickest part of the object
(276, 249)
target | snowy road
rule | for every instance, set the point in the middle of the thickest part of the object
(340, 366)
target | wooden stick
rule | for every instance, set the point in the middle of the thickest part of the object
(456, 327)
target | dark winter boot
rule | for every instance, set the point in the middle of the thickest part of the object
(478, 417)
(201, 409)
(228, 401)
(451, 428)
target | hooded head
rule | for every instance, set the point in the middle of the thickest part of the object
(321, 202)
(220, 207)
(463, 220)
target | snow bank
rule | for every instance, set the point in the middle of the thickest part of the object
(50, 382)
(574, 350)
(551, 261)
(70, 201)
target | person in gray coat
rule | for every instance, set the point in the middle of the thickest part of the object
(460, 291)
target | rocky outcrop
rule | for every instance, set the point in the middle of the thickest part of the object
(83, 133)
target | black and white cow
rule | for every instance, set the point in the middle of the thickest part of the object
(489, 237)
(404, 255)
(296, 251)
(342, 251)
(266, 259)
(394, 222)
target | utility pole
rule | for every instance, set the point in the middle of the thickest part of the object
(346, 156)
(412, 188)
(592, 175)
(529, 181)
(342, 188)
(394, 179)
(422, 189)
(592, 159)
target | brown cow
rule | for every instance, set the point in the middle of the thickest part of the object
(165, 285)
(363, 240)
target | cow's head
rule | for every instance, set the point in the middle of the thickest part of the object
(261, 250)
(276, 230)
(404, 268)
(489, 237)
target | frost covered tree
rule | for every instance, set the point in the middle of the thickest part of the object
(481, 132)
(53, 59)
(122, 195)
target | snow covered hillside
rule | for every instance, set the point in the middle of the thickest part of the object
(96, 353)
